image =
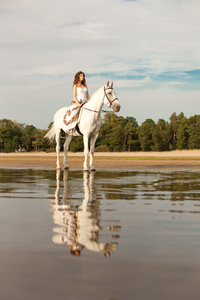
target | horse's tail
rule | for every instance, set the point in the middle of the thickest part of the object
(51, 133)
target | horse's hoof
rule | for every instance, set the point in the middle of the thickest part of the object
(93, 170)
(85, 170)
(58, 169)
(66, 168)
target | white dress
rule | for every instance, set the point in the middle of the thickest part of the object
(71, 116)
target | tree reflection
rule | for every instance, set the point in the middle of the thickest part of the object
(79, 225)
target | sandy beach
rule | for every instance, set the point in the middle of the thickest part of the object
(185, 159)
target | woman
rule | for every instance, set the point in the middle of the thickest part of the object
(81, 96)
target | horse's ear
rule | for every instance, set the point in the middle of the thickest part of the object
(107, 84)
(111, 84)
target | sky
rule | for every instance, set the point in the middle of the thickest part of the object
(150, 49)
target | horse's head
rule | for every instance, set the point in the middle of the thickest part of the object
(110, 97)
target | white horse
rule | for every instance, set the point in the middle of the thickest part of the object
(89, 125)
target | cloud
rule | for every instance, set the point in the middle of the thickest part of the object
(139, 44)
(160, 35)
(133, 83)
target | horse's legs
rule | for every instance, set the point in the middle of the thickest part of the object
(57, 186)
(92, 144)
(86, 152)
(66, 147)
(58, 133)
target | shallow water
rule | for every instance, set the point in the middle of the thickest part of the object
(103, 235)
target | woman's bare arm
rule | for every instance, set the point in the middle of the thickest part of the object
(74, 95)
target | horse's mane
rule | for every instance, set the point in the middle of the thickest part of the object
(95, 93)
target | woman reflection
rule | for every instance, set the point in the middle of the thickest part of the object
(66, 233)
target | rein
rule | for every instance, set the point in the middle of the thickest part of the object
(110, 101)
(105, 111)
(89, 109)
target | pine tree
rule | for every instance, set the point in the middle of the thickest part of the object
(146, 135)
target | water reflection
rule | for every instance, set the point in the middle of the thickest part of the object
(158, 252)
(79, 222)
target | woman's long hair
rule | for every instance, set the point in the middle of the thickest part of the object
(76, 78)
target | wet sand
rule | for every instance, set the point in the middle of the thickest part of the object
(183, 159)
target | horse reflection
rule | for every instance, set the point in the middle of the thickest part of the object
(79, 225)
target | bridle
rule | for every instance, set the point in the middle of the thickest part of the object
(110, 101)
(105, 95)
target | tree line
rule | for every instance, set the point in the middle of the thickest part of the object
(117, 134)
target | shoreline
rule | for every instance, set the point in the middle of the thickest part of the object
(174, 153)
(178, 159)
